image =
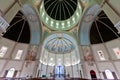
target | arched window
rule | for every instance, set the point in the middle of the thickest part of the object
(109, 74)
(10, 72)
(19, 54)
(93, 74)
(3, 51)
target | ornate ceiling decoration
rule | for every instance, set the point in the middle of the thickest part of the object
(60, 14)
(59, 45)
(60, 9)
(60, 49)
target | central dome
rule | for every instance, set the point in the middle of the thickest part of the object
(60, 9)
(60, 14)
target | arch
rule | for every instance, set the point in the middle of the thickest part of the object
(11, 72)
(49, 49)
(93, 74)
(87, 20)
(109, 74)
(34, 23)
(59, 71)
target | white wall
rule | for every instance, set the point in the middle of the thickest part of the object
(2, 63)
(98, 47)
(12, 64)
(20, 46)
(111, 62)
(117, 64)
(113, 44)
(88, 68)
(8, 43)
(9, 9)
(29, 70)
(112, 10)
(8, 60)
(6, 4)
(115, 4)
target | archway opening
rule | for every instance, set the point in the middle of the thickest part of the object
(59, 71)
(93, 74)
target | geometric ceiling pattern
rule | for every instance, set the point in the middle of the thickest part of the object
(63, 15)
(60, 9)
(59, 45)
(102, 29)
(18, 30)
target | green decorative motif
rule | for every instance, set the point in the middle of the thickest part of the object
(60, 24)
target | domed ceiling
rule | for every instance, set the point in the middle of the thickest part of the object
(18, 30)
(102, 27)
(60, 9)
(59, 45)
(60, 48)
(60, 14)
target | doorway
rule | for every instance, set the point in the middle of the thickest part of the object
(93, 74)
(59, 71)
